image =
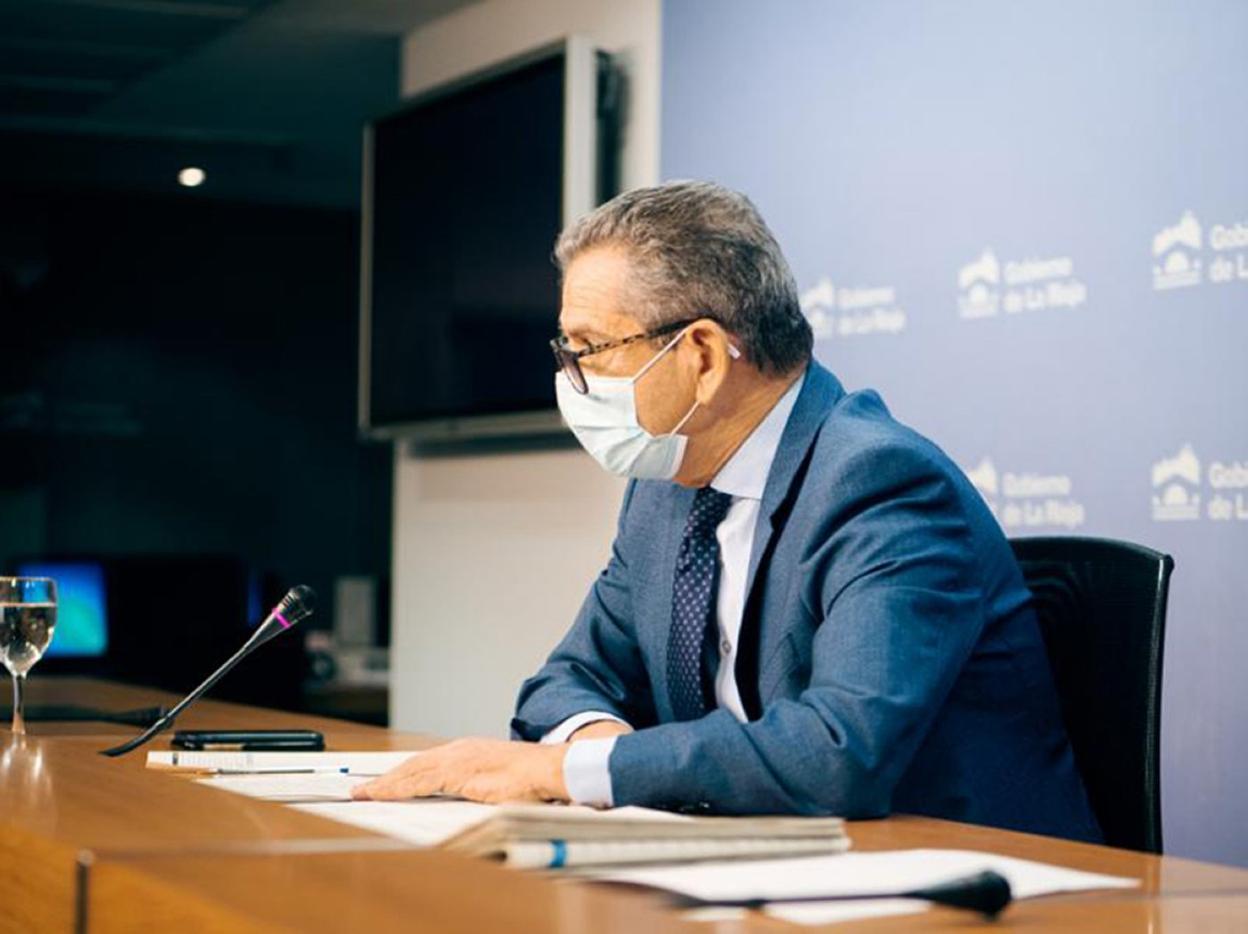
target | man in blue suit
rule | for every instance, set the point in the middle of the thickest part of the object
(808, 609)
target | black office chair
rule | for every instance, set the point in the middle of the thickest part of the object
(1102, 608)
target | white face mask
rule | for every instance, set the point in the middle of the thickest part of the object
(604, 420)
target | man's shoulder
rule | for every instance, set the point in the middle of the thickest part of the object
(857, 440)
(860, 439)
(863, 457)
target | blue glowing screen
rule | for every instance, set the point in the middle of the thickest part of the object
(82, 615)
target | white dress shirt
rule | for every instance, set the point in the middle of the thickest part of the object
(585, 767)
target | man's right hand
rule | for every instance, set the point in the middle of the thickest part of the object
(600, 729)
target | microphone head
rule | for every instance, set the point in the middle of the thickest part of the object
(986, 892)
(297, 605)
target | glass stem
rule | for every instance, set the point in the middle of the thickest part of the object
(19, 691)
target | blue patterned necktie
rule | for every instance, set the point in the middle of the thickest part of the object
(694, 593)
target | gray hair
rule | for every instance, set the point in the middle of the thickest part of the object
(698, 248)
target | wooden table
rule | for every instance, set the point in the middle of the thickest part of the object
(91, 843)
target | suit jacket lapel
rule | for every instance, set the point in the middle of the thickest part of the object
(819, 393)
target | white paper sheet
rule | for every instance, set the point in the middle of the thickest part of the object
(838, 912)
(882, 873)
(331, 786)
(422, 821)
(820, 913)
(357, 763)
(429, 821)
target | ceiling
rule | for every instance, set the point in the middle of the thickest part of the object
(267, 96)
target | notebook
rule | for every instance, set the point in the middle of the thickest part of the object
(555, 836)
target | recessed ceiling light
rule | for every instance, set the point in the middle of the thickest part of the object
(191, 177)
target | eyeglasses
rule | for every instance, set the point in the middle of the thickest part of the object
(569, 360)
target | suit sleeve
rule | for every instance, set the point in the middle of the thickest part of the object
(895, 574)
(598, 665)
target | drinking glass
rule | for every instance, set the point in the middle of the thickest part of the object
(27, 619)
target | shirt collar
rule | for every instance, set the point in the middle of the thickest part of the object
(745, 473)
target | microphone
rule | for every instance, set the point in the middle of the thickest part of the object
(295, 606)
(986, 893)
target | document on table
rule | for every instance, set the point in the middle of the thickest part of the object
(432, 821)
(882, 873)
(288, 788)
(422, 821)
(327, 792)
(355, 763)
(820, 913)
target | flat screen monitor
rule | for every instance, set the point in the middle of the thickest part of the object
(82, 606)
(465, 190)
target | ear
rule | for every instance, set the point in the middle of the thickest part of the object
(712, 352)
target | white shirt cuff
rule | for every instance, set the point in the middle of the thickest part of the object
(587, 772)
(569, 726)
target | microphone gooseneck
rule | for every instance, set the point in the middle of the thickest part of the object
(297, 605)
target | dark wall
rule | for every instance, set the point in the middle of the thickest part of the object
(178, 377)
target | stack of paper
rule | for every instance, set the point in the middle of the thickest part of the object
(552, 837)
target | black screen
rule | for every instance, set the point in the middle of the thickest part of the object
(465, 209)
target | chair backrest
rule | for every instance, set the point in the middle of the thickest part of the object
(1102, 609)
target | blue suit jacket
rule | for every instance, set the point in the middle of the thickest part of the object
(889, 659)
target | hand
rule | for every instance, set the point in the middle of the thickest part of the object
(490, 770)
(600, 729)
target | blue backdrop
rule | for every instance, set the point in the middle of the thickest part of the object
(1026, 224)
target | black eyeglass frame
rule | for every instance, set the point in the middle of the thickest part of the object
(569, 360)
